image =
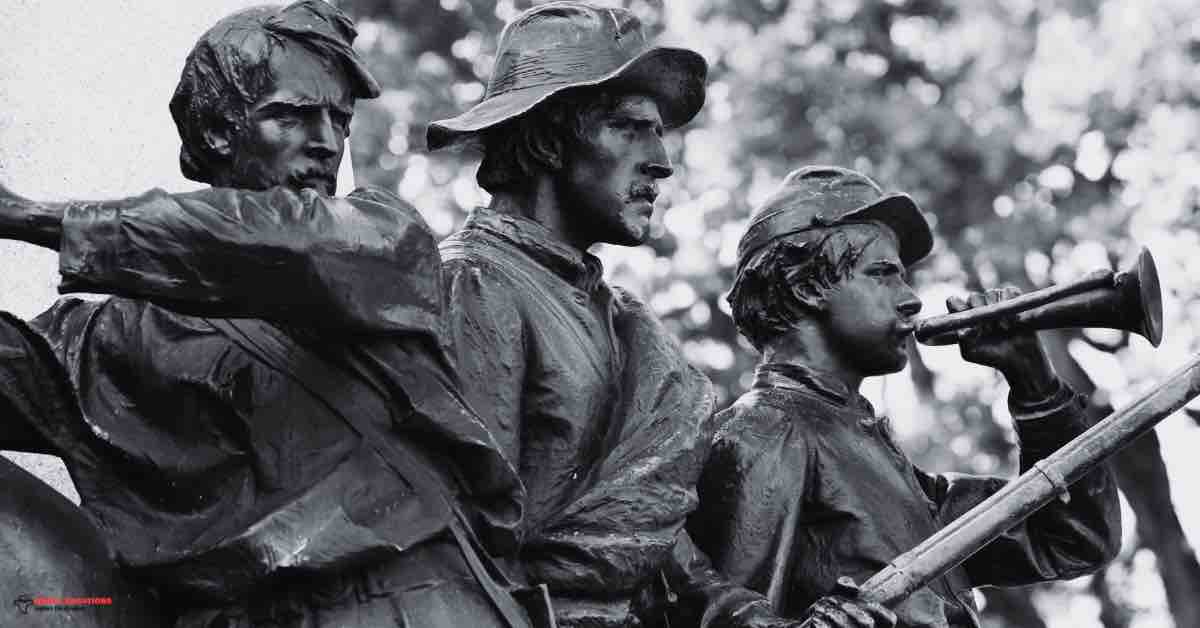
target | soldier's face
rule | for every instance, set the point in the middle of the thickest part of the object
(295, 132)
(610, 183)
(870, 314)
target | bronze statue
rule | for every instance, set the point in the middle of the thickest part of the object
(805, 491)
(586, 392)
(260, 422)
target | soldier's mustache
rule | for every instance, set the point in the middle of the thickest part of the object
(308, 177)
(643, 191)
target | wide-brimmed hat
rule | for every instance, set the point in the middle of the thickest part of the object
(820, 197)
(560, 45)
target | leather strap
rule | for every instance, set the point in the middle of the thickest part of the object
(343, 395)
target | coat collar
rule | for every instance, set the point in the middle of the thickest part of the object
(578, 268)
(799, 378)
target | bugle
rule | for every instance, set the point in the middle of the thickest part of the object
(1129, 300)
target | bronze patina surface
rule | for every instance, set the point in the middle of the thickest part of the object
(805, 484)
(260, 421)
(583, 387)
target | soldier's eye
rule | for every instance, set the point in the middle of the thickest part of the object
(885, 270)
(281, 113)
(341, 120)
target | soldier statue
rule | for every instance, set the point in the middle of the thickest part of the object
(261, 421)
(805, 491)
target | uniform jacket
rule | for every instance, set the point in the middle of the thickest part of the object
(590, 397)
(805, 484)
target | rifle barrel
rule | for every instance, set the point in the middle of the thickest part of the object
(1033, 489)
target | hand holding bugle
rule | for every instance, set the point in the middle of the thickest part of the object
(1129, 300)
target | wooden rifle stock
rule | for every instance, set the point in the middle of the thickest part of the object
(1023, 496)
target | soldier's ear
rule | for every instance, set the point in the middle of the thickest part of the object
(218, 143)
(218, 139)
(810, 299)
(546, 147)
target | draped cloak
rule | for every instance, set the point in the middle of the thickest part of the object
(209, 467)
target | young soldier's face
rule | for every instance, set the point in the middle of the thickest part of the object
(295, 133)
(610, 184)
(869, 314)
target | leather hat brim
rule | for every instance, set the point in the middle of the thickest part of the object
(673, 76)
(901, 214)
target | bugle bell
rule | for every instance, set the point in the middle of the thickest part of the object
(1129, 300)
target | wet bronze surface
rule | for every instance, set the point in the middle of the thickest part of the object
(308, 458)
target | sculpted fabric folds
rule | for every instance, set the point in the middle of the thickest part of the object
(200, 457)
(799, 444)
(363, 263)
(623, 526)
(586, 390)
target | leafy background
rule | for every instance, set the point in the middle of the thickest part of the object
(1043, 139)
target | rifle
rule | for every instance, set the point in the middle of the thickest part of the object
(1048, 479)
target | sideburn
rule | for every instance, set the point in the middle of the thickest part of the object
(245, 166)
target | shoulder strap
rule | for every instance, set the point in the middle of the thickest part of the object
(342, 394)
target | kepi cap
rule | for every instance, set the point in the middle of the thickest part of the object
(820, 197)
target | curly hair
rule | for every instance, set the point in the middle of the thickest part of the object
(769, 292)
(518, 150)
(230, 68)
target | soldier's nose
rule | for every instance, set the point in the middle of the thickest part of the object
(323, 139)
(658, 171)
(909, 307)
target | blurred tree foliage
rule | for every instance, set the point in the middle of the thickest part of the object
(1044, 140)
